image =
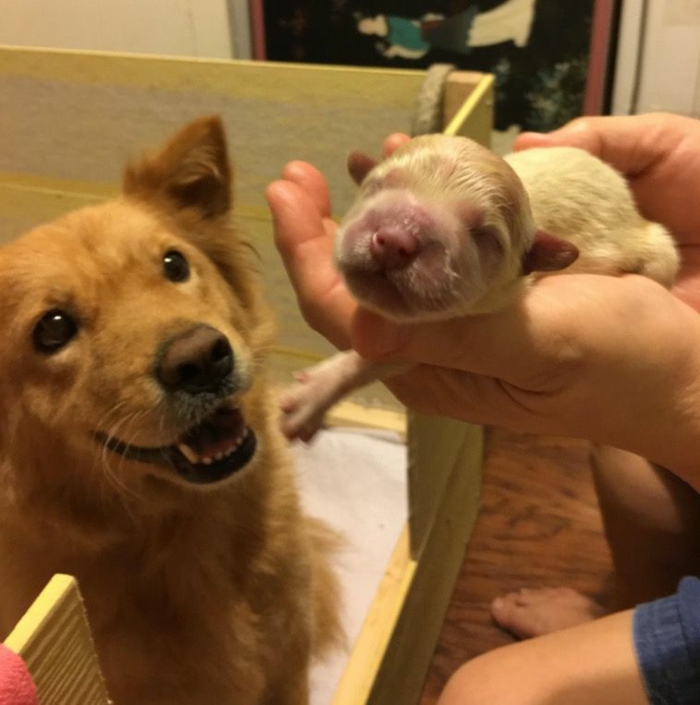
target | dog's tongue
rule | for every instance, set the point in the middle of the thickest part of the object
(217, 434)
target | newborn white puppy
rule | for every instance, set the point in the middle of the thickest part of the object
(445, 228)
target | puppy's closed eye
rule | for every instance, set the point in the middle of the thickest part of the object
(54, 331)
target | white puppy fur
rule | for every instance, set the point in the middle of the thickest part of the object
(445, 228)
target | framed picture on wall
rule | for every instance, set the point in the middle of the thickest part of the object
(550, 58)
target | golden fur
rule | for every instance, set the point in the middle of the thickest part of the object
(215, 594)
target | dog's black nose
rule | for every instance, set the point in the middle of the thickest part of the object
(197, 361)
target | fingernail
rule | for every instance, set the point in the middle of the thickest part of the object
(527, 140)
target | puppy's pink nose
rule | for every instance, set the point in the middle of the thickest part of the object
(394, 248)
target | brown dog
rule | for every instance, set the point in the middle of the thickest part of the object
(139, 448)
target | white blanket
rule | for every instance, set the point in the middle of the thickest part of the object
(356, 481)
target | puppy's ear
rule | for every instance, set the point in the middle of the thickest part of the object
(359, 165)
(191, 171)
(549, 254)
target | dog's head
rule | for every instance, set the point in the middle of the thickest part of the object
(133, 330)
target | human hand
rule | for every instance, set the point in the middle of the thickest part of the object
(659, 154)
(562, 361)
(304, 233)
(614, 360)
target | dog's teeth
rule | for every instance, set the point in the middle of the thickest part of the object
(193, 457)
(188, 452)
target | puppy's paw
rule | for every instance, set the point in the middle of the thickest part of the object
(304, 405)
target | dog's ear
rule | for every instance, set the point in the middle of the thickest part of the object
(191, 171)
(548, 254)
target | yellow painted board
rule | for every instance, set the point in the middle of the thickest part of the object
(56, 103)
(438, 561)
(436, 446)
(475, 118)
(368, 653)
(53, 638)
(350, 413)
(390, 659)
(270, 80)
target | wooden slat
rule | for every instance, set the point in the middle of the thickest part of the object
(365, 661)
(129, 102)
(436, 447)
(393, 653)
(53, 638)
(458, 88)
(54, 103)
(438, 562)
(348, 413)
(474, 118)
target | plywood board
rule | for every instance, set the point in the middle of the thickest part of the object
(53, 638)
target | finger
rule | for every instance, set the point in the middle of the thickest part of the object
(393, 142)
(466, 345)
(687, 286)
(297, 221)
(305, 241)
(658, 153)
(632, 145)
(312, 181)
(529, 343)
(465, 396)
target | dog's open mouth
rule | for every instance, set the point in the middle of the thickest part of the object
(210, 452)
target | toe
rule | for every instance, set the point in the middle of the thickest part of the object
(511, 613)
(527, 613)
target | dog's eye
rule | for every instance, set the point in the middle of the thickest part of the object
(54, 330)
(175, 266)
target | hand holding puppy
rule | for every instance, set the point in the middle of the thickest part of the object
(611, 359)
(659, 155)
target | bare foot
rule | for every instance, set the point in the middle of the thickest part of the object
(529, 613)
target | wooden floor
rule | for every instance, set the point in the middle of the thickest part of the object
(539, 526)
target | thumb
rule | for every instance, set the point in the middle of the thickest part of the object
(503, 344)
(634, 145)
(578, 133)
(378, 338)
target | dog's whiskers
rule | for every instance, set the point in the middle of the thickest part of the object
(112, 475)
